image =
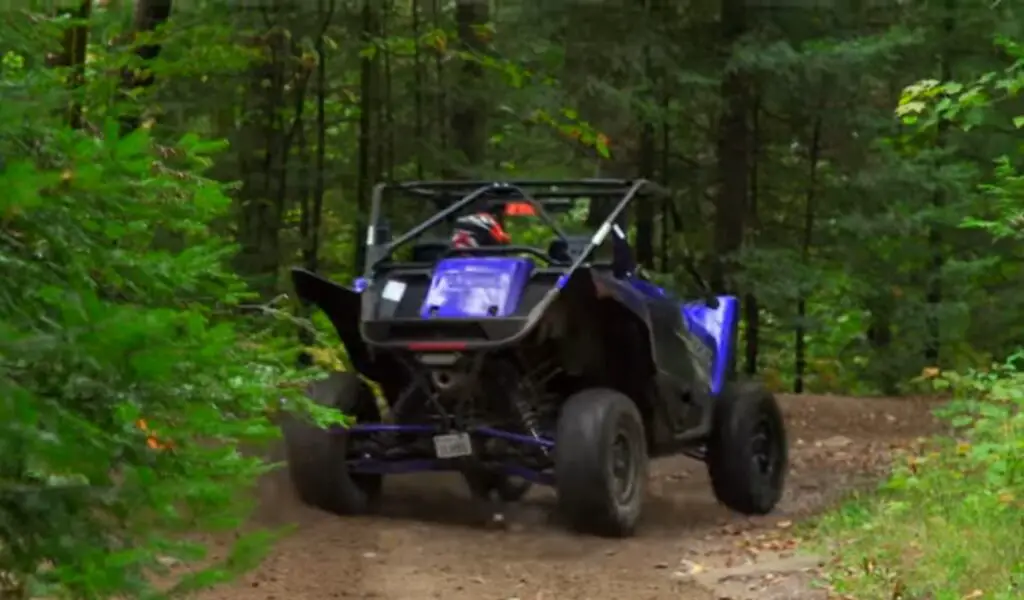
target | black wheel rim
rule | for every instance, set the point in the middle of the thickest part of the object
(623, 466)
(765, 450)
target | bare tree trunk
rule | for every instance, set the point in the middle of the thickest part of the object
(417, 88)
(441, 100)
(800, 351)
(311, 258)
(469, 111)
(645, 166)
(751, 309)
(666, 179)
(388, 110)
(733, 153)
(368, 106)
(938, 259)
(262, 143)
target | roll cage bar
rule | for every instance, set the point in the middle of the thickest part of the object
(530, 191)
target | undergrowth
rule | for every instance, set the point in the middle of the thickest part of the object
(949, 523)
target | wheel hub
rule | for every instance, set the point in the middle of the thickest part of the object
(764, 448)
(623, 466)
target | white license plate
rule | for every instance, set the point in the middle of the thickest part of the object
(453, 445)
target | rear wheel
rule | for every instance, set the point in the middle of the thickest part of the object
(601, 462)
(316, 457)
(748, 453)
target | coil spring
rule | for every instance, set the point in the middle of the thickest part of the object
(528, 415)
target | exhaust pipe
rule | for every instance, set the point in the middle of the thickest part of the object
(444, 380)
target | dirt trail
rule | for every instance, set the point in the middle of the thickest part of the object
(428, 541)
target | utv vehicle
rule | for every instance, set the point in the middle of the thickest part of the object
(558, 363)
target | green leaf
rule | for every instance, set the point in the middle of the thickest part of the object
(132, 146)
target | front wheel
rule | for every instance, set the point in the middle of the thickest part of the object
(748, 453)
(601, 462)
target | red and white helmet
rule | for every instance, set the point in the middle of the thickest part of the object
(480, 229)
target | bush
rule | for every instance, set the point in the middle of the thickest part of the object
(948, 523)
(116, 307)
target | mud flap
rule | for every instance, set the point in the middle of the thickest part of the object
(342, 307)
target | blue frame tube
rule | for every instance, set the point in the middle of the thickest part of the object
(395, 467)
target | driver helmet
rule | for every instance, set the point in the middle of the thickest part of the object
(480, 229)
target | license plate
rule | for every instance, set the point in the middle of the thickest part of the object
(453, 445)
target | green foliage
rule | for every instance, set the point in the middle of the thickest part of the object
(119, 304)
(118, 310)
(947, 523)
(561, 89)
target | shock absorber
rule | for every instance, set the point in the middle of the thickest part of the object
(528, 415)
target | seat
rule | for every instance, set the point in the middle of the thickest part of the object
(558, 251)
(566, 250)
(429, 251)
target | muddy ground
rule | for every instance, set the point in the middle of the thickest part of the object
(429, 540)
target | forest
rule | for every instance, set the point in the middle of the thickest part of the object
(851, 169)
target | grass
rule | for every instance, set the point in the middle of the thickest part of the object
(949, 524)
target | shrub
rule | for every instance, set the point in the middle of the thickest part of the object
(948, 522)
(116, 307)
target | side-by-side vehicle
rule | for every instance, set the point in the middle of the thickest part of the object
(557, 363)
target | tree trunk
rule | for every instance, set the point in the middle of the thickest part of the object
(751, 309)
(644, 208)
(417, 93)
(367, 106)
(469, 109)
(311, 256)
(149, 14)
(260, 146)
(938, 259)
(441, 99)
(666, 179)
(388, 110)
(733, 154)
(72, 56)
(800, 351)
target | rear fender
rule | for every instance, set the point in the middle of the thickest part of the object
(621, 313)
(342, 307)
(634, 308)
(600, 302)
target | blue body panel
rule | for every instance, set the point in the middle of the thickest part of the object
(648, 289)
(715, 327)
(476, 287)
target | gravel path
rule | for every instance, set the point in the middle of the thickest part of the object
(429, 540)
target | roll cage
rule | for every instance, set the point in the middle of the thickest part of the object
(455, 196)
